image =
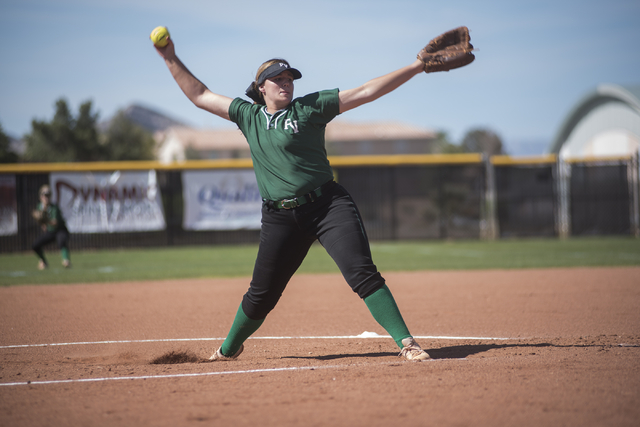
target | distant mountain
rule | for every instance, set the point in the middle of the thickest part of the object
(526, 147)
(147, 118)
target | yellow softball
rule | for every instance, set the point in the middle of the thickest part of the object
(159, 36)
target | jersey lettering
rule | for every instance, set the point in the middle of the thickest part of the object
(293, 124)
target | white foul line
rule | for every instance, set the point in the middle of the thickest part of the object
(146, 377)
(366, 335)
(201, 374)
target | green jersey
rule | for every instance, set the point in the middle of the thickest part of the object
(55, 220)
(287, 148)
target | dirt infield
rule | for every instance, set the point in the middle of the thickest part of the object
(510, 348)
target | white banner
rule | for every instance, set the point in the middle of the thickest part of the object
(94, 202)
(221, 200)
(8, 206)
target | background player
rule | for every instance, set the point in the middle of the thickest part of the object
(53, 224)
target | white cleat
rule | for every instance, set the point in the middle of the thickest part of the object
(219, 356)
(412, 351)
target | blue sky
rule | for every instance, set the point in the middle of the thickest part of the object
(535, 59)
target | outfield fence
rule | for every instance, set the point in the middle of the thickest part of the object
(457, 196)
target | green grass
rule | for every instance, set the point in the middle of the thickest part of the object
(230, 261)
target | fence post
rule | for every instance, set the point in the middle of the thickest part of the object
(563, 183)
(489, 224)
(634, 188)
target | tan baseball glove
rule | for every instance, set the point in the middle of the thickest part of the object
(40, 216)
(447, 51)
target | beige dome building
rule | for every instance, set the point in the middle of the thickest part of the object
(604, 123)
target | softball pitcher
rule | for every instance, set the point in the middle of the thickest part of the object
(301, 201)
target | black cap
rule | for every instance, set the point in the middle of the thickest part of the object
(272, 71)
(275, 69)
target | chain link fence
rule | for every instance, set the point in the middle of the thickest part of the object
(400, 198)
(526, 197)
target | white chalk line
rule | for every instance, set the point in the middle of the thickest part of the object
(148, 377)
(364, 335)
(204, 374)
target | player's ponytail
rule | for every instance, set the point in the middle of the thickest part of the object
(255, 94)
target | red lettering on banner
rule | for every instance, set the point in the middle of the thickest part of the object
(110, 193)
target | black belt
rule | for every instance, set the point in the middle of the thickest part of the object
(310, 197)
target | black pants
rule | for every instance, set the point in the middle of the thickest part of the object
(61, 237)
(286, 236)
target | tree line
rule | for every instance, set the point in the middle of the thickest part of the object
(76, 138)
(72, 137)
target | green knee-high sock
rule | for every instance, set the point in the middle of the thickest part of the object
(384, 309)
(40, 254)
(65, 254)
(242, 328)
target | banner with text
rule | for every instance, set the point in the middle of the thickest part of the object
(8, 206)
(116, 202)
(221, 200)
